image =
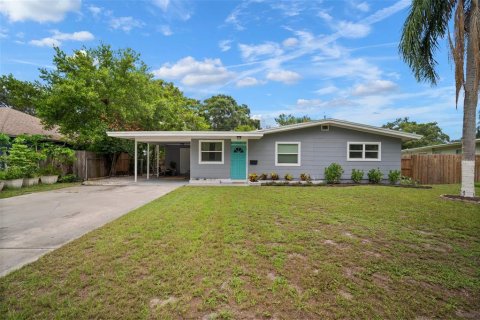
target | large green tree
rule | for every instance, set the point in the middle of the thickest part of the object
(431, 132)
(286, 119)
(99, 89)
(19, 95)
(222, 112)
(428, 22)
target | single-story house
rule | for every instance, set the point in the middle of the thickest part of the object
(447, 148)
(308, 147)
(15, 123)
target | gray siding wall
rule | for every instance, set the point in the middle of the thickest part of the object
(319, 149)
(211, 170)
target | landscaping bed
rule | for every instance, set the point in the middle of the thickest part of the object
(265, 253)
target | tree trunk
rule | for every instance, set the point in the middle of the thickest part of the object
(469, 125)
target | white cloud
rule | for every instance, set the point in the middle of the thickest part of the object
(290, 42)
(374, 87)
(125, 23)
(325, 16)
(225, 45)
(39, 11)
(326, 90)
(3, 33)
(249, 82)
(165, 30)
(178, 9)
(352, 30)
(55, 40)
(191, 72)
(348, 68)
(362, 6)
(253, 52)
(95, 10)
(309, 103)
(285, 76)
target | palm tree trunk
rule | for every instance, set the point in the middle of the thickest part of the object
(469, 127)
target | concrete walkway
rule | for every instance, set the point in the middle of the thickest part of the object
(34, 224)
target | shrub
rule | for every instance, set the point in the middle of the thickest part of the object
(49, 171)
(407, 181)
(253, 177)
(357, 175)
(375, 175)
(2, 175)
(68, 178)
(14, 173)
(263, 176)
(274, 176)
(288, 177)
(305, 177)
(394, 176)
(333, 173)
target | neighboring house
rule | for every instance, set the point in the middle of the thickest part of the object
(447, 148)
(299, 148)
(15, 123)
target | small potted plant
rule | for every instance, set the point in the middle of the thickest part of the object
(274, 176)
(49, 174)
(31, 177)
(288, 177)
(305, 177)
(253, 177)
(2, 179)
(263, 176)
(14, 177)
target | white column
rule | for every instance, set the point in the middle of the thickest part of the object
(136, 160)
(157, 149)
(148, 161)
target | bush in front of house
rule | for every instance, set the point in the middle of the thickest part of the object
(13, 173)
(375, 176)
(263, 176)
(49, 170)
(394, 176)
(333, 173)
(305, 177)
(274, 176)
(253, 177)
(407, 181)
(68, 178)
(288, 177)
(357, 175)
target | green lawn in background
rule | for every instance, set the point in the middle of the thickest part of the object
(8, 193)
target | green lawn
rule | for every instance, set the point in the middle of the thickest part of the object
(265, 252)
(8, 193)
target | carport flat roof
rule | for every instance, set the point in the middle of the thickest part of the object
(182, 136)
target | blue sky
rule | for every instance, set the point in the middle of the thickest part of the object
(336, 59)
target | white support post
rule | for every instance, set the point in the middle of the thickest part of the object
(136, 161)
(148, 161)
(157, 149)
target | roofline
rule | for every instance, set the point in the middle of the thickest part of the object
(182, 135)
(438, 146)
(345, 124)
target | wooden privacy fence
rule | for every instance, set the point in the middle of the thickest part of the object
(91, 165)
(436, 168)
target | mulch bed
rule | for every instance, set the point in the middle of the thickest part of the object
(453, 197)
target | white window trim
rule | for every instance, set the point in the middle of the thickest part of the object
(210, 162)
(363, 151)
(288, 164)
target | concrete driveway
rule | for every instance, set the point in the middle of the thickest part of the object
(34, 224)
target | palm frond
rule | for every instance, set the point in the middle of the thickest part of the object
(457, 48)
(474, 38)
(426, 23)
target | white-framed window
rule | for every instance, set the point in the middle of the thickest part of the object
(287, 153)
(364, 151)
(210, 151)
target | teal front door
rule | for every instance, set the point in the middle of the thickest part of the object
(238, 160)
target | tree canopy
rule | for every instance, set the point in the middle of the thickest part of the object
(286, 119)
(96, 90)
(431, 132)
(222, 112)
(19, 95)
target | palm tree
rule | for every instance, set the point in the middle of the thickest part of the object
(427, 22)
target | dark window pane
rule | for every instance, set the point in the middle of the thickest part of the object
(356, 147)
(371, 147)
(371, 155)
(287, 148)
(211, 146)
(288, 158)
(355, 155)
(211, 156)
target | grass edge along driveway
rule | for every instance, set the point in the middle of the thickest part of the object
(265, 252)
